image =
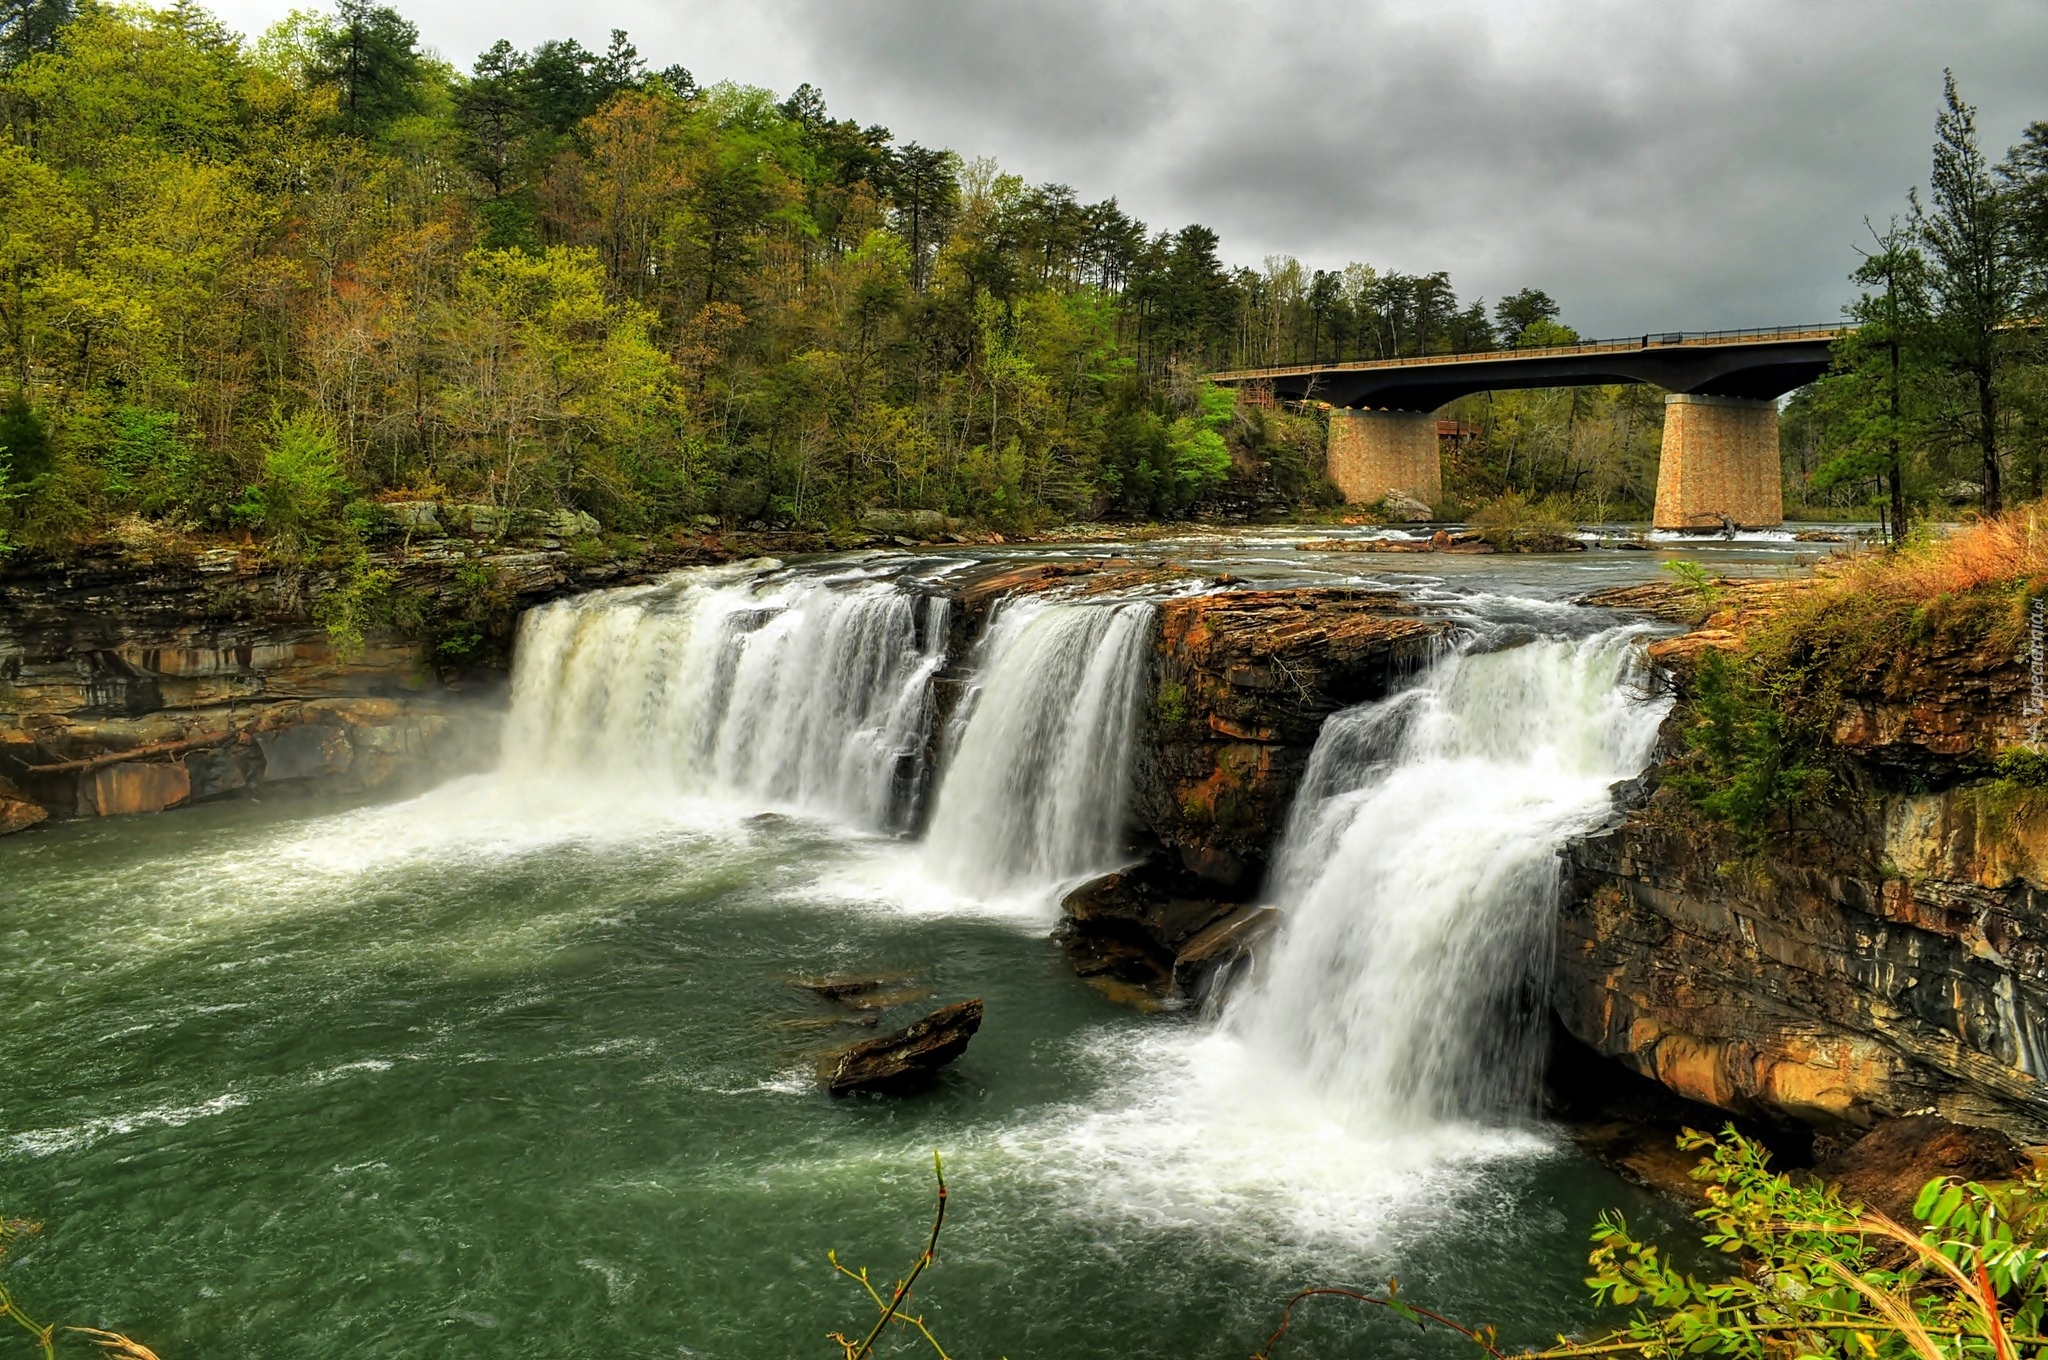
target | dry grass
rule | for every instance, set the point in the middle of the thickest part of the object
(2000, 552)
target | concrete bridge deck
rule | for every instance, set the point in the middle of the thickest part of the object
(1720, 455)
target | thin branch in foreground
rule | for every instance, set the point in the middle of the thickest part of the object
(1482, 1337)
(892, 1307)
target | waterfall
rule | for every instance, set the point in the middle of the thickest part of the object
(1419, 879)
(809, 692)
(1037, 785)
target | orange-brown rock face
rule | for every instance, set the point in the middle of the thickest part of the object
(1884, 953)
(132, 685)
(1244, 681)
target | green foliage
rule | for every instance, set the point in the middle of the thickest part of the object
(302, 497)
(1698, 579)
(2023, 766)
(360, 598)
(1200, 459)
(1171, 702)
(482, 608)
(1515, 519)
(1751, 757)
(146, 465)
(24, 441)
(1820, 1278)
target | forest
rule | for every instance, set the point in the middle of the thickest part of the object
(258, 286)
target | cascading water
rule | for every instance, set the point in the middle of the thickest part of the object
(808, 692)
(1038, 778)
(1420, 875)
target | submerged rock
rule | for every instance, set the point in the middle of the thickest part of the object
(903, 1059)
(847, 986)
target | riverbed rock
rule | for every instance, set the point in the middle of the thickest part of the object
(1398, 507)
(1243, 680)
(905, 1059)
(19, 814)
(1886, 1168)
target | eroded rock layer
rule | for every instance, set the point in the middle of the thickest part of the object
(1879, 954)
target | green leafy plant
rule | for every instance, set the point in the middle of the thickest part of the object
(1703, 583)
(301, 499)
(1751, 756)
(1814, 1278)
(1818, 1277)
(1514, 520)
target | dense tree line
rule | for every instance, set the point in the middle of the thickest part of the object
(1940, 397)
(244, 284)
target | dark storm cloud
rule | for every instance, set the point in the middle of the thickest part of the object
(1652, 164)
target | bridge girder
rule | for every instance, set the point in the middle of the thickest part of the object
(1758, 371)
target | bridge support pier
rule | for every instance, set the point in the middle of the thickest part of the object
(1374, 452)
(1719, 464)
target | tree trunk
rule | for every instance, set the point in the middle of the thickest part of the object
(1987, 437)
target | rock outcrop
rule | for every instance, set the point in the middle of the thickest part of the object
(1882, 953)
(1242, 683)
(142, 679)
(905, 1059)
(1243, 680)
(1886, 1168)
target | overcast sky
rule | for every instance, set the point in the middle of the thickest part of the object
(1655, 164)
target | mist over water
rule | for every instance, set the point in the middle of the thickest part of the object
(1420, 874)
(810, 693)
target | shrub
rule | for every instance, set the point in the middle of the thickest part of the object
(1515, 519)
(303, 496)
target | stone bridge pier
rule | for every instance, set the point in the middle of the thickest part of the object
(1719, 463)
(1374, 452)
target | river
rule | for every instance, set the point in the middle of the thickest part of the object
(516, 1066)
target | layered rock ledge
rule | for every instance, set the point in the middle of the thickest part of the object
(1882, 953)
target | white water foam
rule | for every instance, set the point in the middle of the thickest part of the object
(1390, 1041)
(806, 692)
(1037, 787)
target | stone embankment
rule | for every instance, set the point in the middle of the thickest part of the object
(1883, 952)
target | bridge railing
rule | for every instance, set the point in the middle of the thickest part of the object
(1652, 340)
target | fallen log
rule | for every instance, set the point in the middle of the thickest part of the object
(87, 764)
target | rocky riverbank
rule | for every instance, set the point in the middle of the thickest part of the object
(1878, 953)
(141, 677)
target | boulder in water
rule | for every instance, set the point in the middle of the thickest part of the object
(1132, 927)
(1229, 941)
(1402, 508)
(19, 814)
(904, 1059)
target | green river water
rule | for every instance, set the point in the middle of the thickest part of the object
(514, 1068)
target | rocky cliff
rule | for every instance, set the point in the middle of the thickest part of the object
(1242, 681)
(136, 679)
(1878, 952)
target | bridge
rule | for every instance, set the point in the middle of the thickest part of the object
(1719, 463)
